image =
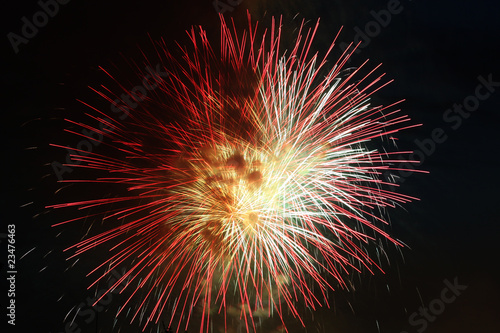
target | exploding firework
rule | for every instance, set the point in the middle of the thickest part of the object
(254, 183)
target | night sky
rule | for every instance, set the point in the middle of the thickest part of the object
(440, 54)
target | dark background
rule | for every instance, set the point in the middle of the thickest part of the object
(434, 50)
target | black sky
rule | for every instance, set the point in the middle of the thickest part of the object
(434, 50)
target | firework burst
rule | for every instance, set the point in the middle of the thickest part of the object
(251, 182)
